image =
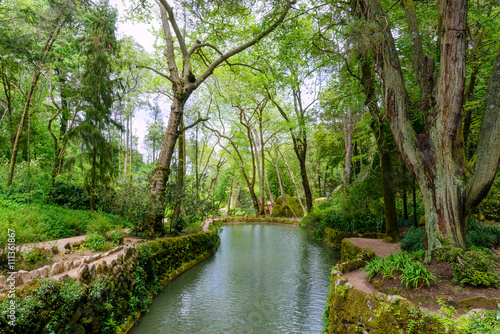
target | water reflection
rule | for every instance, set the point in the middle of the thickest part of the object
(263, 279)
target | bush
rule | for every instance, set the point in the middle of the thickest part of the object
(354, 222)
(116, 237)
(413, 240)
(482, 236)
(70, 193)
(472, 267)
(95, 241)
(179, 224)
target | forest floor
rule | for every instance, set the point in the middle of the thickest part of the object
(445, 288)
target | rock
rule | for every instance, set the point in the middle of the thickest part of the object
(77, 263)
(3, 283)
(57, 268)
(34, 274)
(287, 206)
(54, 250)
(119, 259)
(92, 271)
(23, 275)
(63, 277)
(83, 274)
(44, 271)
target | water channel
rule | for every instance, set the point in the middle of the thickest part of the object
(263, 279)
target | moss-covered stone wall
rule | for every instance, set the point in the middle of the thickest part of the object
(333, 238)
(350, 310)
(276, 220)
(109, 301)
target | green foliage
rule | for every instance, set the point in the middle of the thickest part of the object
(70, 193)
(179, 223)
(478, 235)
(404, 265)
(415, 275)
(413, 240)
(95, 241)
(482, 236)
(474, 266)
(116, 237)
(484, 322)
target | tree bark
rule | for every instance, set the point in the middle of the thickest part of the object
(294, 184)
(348, 150)
(450, 188)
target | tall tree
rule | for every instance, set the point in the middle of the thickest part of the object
(183, 79)
(451, 187)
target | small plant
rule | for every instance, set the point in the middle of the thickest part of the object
(95, 241)
(413, 240)
(374, 267)
(416, 275)
(116, 237)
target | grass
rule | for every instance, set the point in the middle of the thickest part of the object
(41, 222)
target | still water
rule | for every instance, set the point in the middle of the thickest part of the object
(263, 279)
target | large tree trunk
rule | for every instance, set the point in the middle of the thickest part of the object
(450, 188)
(181, 171)
(162, 169)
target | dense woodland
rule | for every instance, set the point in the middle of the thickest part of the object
(381, 109)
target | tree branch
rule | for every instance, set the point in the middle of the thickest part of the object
(166, 76)
(246, 45)
(192, 125)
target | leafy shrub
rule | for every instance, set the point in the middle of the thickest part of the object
(415, 274)
(179, 224)
(472, 267)
(403, 264)
(413, 240)
(116, 237)
(70, 193)
(95, 241)
(354, 222)
(481, 235)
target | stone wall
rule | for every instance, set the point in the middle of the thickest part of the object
(276, 220)
(333, 238)
(350, 310)
(100, 297)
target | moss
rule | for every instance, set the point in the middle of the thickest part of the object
(333, 238)
(108, 304)
(287, 206)
(349, 308)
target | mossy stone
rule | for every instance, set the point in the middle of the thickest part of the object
(287, 206)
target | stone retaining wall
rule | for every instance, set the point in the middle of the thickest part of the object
(102, 297)
(350, 310)
(333, 238)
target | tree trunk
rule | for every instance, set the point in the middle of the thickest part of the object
(294, 184)
(230, 197)
(162, 169)
(348, 150)
(15, 148)
(387, 176)
(181, 169)
(450, 188)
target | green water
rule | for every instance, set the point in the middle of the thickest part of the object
(263, 279)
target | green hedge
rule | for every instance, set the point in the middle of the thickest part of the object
(108, 304)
